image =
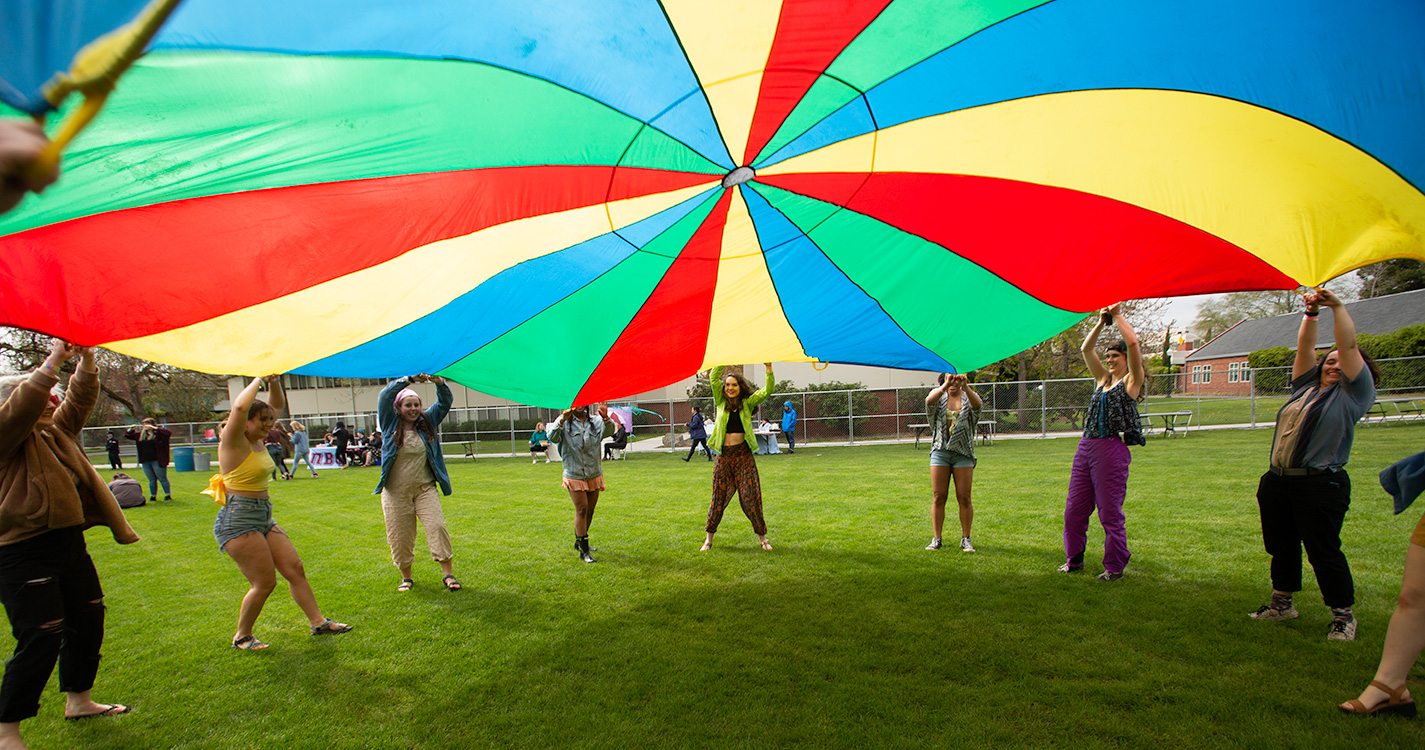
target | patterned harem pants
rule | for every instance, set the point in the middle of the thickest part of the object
(736, 471)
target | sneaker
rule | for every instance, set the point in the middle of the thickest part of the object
(965, 545)
(1108, 577)
(1070, 568)
(1266, 612)
(1342, 630)
(167, 498)
(934, 543)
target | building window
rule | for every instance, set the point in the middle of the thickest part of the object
(1237, 372)
(1202, 373)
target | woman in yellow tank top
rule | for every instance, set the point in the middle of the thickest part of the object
(244, 528)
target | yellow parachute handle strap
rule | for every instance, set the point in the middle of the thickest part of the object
(819, 366)
(94, 71)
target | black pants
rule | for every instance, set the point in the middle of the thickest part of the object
(694, 449)
(791, 436)
(52, 596)
(1307, 512)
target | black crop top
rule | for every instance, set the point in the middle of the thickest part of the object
(734, 422)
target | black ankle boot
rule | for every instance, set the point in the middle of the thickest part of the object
(581, 543)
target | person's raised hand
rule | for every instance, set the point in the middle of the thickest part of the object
(1328, 298)
(21, 142)
(603, 410)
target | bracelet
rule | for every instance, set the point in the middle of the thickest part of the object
(1309, 314)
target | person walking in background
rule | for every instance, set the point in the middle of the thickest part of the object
(151, 442)
(578, 435)
(698, 434)
(273, 443)
(736, 469)
(341, 438)
(1099, 479)
(538, 444)
(789, 426)
(412, 465)
(1304, 496)
(48, 583)
(244, 528)
(111, 445)
(954, 410)
(301, 448)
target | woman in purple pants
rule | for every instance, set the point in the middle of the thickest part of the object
(1100, 476)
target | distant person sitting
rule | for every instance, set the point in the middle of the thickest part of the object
(538, 444)
(127, 491)
(619, 441)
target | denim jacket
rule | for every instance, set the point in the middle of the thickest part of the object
(386, 417)
(580, 445)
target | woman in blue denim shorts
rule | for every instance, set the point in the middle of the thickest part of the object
(954, 410)
(244, 528)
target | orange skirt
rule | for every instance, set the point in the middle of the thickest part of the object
(585, 485)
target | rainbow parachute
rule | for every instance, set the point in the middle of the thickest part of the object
(558, 202)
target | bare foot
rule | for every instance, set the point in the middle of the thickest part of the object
(766, 545)
(9, 741)
(706, 546)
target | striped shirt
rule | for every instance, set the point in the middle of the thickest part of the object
(953, 432)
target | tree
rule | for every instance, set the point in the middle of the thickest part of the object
(139, 387)
(1391, 277)
(1217, 314)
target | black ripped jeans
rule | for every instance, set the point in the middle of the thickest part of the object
(52, 596)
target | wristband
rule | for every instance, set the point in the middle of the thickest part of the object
(1309, 315)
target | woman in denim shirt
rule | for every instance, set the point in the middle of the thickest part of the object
(579, 435)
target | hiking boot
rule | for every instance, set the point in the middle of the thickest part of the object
(1269, 613)
(1342, 630)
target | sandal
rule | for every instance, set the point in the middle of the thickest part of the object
(1395, 703)
(114, 709)
(406, 584)
(330, 628)
(450, 583)
(248, 643)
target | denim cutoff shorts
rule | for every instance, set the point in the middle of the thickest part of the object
(952, 459)
(241, 515)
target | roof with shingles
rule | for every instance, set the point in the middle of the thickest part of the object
(1375, 315)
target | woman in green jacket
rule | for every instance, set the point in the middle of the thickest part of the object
(736, 470)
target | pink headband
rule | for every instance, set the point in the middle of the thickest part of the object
(405, 392)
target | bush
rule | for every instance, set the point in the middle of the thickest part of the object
(829, 406)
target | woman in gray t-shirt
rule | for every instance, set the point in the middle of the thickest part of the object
(1305, 493)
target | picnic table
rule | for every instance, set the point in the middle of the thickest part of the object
(1405, 407)
(1170, 421)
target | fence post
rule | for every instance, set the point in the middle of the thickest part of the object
(1251, 388)
(1043, 408)
(850, 418)
(511, 413)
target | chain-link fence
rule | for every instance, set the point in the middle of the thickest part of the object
(1250, 398)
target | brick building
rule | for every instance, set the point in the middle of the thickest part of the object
(1220, 366)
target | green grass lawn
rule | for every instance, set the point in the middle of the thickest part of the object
(849, 634)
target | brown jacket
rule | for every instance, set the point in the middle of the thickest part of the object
(38, 468)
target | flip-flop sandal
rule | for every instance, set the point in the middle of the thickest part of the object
(114, 709)
(248, 643)
(330, 628)
(450, 583)
(406, 584)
